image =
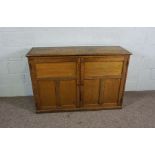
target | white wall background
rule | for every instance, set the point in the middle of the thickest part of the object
(16, 42)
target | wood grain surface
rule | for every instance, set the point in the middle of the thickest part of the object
(78, 78)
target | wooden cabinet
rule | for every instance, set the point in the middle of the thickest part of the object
(78, 78)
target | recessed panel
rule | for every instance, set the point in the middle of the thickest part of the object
(91, 92)
(68, 90)
(103, 68)
(64, 69)
(110, 91)
(47, 94)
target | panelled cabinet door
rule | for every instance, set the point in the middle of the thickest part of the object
(57, 83)
(101, 80)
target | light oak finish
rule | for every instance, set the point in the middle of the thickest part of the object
(47, 94)
(102, 68)
(78, 78)
(64, 69)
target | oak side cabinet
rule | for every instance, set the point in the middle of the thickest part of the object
(78, 78)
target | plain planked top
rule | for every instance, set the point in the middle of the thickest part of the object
(77, 50)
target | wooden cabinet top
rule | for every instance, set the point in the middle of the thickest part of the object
(77, 50)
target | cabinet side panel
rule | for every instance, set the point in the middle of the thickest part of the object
(34, 81)
(123, 81)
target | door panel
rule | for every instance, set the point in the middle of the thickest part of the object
(47, 94)
(68, 91)
(91, 92)
(56, 69)
(103, 68)
(110, 91)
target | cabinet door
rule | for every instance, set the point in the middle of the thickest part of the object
(57, 83)
(101, 81)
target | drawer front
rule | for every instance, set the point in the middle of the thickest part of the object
(106, 68)
(56, 69)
